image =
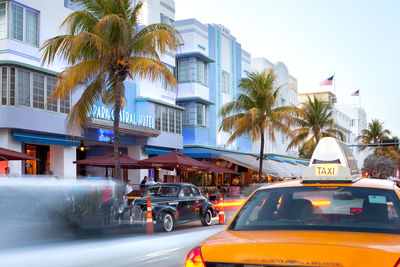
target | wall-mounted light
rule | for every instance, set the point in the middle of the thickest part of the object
(81, 146)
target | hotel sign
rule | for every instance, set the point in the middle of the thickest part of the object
(106, 113)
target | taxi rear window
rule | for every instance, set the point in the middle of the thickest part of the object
(329, 208)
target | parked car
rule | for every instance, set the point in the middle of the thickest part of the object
(173, 203)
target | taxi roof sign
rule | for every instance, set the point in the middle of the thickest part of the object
(332, 161)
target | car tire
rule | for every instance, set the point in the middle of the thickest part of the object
(206, 220)
(167, 222)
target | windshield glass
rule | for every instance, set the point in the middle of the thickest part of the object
(331, 208)
(163, 191)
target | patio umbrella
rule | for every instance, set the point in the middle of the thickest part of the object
(7, 154)
(218, 169)
(173, 160)
(108, 161)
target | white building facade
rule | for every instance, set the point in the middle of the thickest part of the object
(288, 96)
(151, 121)
(358, 122)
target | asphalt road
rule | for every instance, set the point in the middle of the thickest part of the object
(159, 249)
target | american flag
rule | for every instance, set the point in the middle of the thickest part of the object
(327, 81)
(356, 93)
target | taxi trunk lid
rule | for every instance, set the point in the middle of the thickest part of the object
(299, 248)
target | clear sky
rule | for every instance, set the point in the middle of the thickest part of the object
(358, 40)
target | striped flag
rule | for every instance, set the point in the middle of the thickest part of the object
(327, 81)
(356, 93)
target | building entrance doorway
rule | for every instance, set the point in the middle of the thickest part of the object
(40, 166)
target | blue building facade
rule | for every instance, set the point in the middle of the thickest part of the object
(210, 65)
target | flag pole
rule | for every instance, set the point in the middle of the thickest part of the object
(334, 84)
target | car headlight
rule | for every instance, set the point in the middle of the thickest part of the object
(121, 209)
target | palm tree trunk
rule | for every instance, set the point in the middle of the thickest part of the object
(117, 108)
(261, 158)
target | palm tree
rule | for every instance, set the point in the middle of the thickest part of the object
(105, 45)
(254, 111)
(315, 122)
(373, 134)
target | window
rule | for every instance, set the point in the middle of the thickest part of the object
(17, 22)
(178, 122)
(158, 117)
(51, 105)
(165, 19)
(313, 208)
(12, 86)
(30, 89)
(183, 70)
(201, 114)
(195, 191)
(24, 23)
(225, 82)
(65, 104)
(201, 72)
(171, 115)
(4, 85)
(164, 119)
(185, 114)
(168, 119)
(3, 20)
(31, 27)
(38, 91)
(164, 82)
(24, 90)
(352, 123)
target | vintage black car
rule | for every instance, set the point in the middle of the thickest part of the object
(174, 203)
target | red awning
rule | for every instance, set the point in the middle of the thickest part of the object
(173, 160)
(218, 169)
(7, 154)
(108, 161)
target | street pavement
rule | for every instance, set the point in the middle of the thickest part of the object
(159, 249)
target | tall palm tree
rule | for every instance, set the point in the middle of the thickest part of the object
(315, 122)
(105, 45)
(254, 111)
(373, 134)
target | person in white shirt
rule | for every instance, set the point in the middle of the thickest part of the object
(128, 188)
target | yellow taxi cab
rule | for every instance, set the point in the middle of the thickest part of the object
(330, 217)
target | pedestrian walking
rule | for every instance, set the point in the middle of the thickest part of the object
(143, 184)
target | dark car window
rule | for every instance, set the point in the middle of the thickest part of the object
(195, 191)
(187, 192)
(331, 208)
(152, 190)
(168, 191)
(164, 191)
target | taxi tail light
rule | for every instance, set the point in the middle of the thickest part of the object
(194, 258)
(397, 263)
